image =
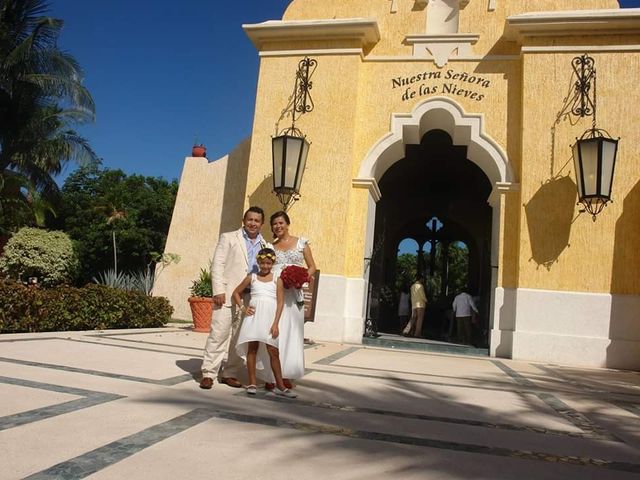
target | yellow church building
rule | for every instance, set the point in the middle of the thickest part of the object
(444, 121)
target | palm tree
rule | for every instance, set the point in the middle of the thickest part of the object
(41, 94)
(115, 215)
(14, 203)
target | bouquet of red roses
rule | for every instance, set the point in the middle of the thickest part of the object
(294, 277)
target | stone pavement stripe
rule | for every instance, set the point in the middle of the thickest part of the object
(420, 382)
(141, 331)
(91, 399)
(166, 382)
(95, 460)
(629, 407)
(59, 337)
(43, 413)
(160, 344)
(80, 392)
(337, 356)
(30, 339)
(578, 419)
(114, 337)
(519, 379)
(562, 409)
(432, 443)
(128, 347)
(635, 409)
(428, 418)
(328, 361)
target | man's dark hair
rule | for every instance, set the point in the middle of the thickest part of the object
(254, 209)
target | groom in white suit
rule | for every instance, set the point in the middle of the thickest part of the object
(233, 260)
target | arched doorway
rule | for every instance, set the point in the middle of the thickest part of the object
(434, 201)
(441, 125)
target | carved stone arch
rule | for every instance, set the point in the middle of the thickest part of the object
(464, 128)
(444, 114)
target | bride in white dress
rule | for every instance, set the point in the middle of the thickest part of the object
(291, 250)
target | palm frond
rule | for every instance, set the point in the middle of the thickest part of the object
(63, 88)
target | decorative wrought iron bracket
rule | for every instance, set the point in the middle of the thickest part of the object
(300, 101)
(584, 102)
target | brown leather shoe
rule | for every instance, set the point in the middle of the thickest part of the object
(206, 383)
(232, 382)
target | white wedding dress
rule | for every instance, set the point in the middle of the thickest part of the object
(291, 340)
(255, 328)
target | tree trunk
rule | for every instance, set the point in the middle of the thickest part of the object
(115, 252)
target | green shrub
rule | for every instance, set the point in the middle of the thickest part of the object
(63, 308)
(114, 279)
(33, 252)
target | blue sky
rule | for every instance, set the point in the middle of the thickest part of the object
(162, 72)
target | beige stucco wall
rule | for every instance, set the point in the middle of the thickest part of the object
(409, 18)
(209, 201)
(583, 255)
(321, 214)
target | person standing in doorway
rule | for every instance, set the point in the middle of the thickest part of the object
(234, 259)
(418, 306)
(464, 308)
(404, 306)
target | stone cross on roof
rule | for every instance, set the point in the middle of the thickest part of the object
(457, 4)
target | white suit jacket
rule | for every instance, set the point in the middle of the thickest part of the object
(230, 264)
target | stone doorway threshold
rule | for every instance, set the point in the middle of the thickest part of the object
(388, 340)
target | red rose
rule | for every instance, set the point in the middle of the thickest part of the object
(294, 276)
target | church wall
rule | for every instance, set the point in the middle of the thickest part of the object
(567, 288)
(409, 17)
(354, 102)
(321, 214)
(576, 300)
(561, 249)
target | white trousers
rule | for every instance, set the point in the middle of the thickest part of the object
(221, 344)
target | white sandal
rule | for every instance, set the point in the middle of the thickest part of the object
(288, 393)
(251, 390)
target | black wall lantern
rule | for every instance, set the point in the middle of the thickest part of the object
(594, 153)
(290, 147)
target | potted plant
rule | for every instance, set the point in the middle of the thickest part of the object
(201, 302)
(199, 150)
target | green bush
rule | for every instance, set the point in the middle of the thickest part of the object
(62, 308)
(33, 252)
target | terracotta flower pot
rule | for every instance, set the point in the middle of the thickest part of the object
(202, 313)
(199, 151)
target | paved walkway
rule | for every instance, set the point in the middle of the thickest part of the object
(124, 404)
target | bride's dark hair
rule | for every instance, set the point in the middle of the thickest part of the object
(282, 214)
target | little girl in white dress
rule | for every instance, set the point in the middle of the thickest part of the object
(258, 338)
